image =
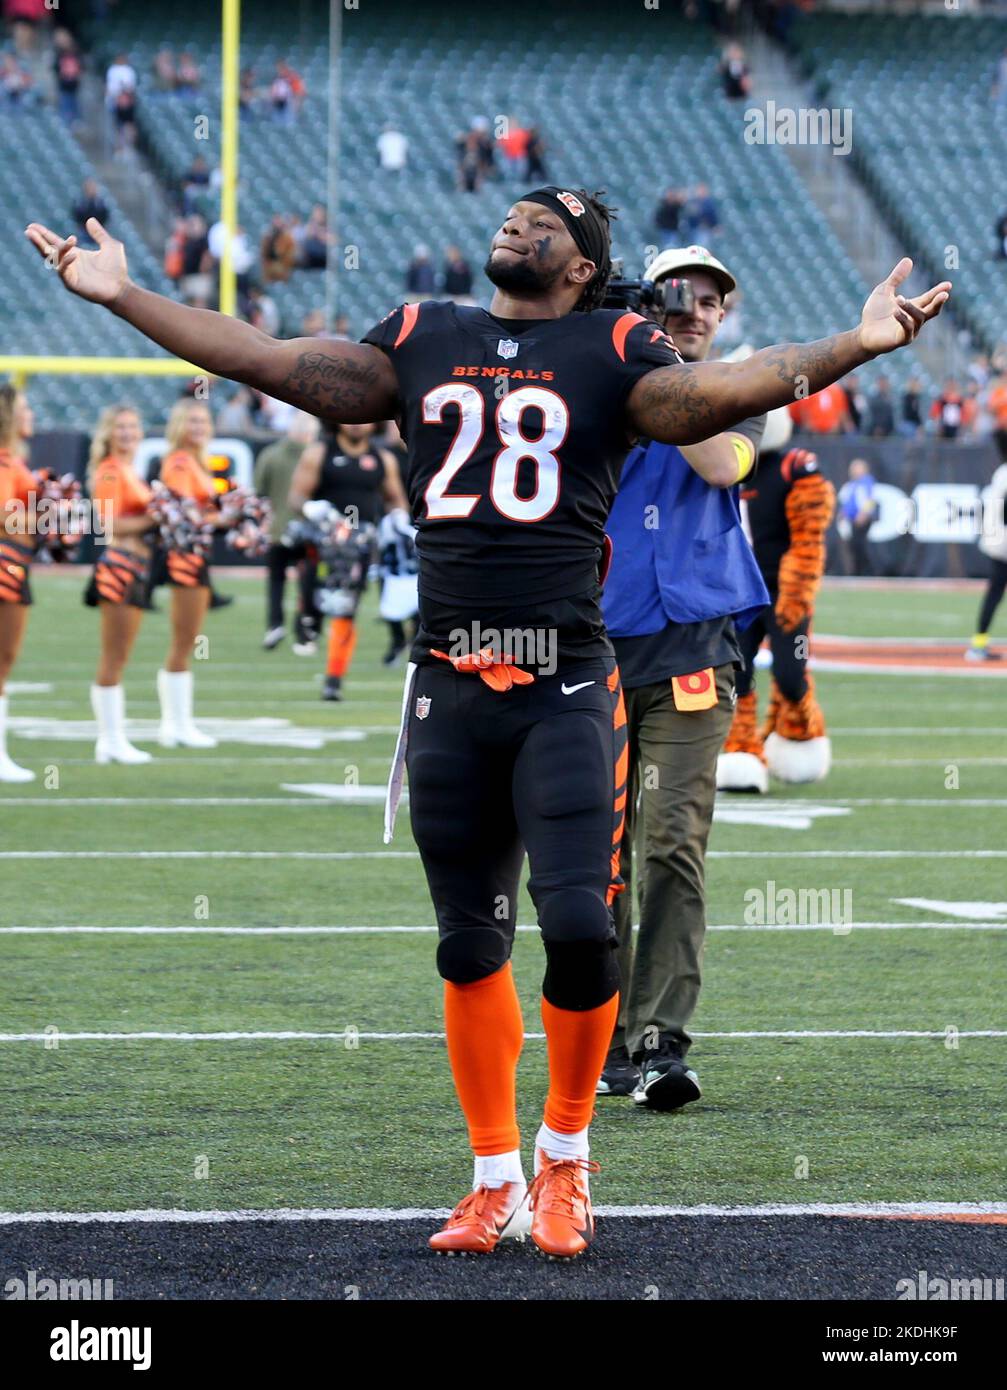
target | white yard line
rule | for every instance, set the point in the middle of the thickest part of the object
(177, 1215)
(949, 802)
(776, 853)
(307, 1035)
(844, 929)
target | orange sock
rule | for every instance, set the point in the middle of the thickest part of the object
(485, 1032)
(578, 1044)
(342, 640)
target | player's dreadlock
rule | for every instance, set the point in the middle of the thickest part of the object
(594, 295)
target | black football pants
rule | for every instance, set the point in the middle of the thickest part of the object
(534, 769)
(789, 650)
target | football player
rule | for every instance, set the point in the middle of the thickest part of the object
(517, 420)
(361, 480)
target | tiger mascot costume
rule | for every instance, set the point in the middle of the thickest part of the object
(788, 506)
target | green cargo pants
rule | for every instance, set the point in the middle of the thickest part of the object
(669, 808)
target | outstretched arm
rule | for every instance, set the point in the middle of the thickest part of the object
(351, 382)
(688, 403)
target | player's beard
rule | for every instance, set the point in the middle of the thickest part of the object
(524, 276)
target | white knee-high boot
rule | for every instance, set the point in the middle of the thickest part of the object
(9, 770)
(109, 705)
(174, 690)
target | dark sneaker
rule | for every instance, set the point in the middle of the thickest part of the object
(333, 688)
(220, 600)
(667, 1082)
(393, 653)
(620, 1076)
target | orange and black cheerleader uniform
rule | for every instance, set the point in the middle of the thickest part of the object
(119, 576)
(17, 483)
(183, 475)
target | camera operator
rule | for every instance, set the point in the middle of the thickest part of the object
(682, 578)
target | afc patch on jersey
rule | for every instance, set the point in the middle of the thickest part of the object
(422, 706)
(507, 348)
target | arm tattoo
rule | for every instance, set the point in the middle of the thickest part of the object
(336, 388)
(691, 402)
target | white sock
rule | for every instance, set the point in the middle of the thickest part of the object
(496, 1169)
(560, 1145)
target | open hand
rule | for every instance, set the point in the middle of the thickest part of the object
(890, 320)
(99, 276)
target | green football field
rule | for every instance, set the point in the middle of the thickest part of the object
(366, 1117)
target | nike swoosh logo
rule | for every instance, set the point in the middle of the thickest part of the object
(572, 689)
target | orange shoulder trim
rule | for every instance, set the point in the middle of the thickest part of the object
(621, 329)
(410, 313)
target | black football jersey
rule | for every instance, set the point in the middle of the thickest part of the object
(352, 480)
(764, 503)
(516, 436)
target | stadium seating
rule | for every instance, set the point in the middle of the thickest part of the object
(595, 86)
(931, 75)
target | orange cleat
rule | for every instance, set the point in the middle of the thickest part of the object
(482, 1219)
(562, 1223)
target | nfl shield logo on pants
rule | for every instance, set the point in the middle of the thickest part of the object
(422, 706)
(507, 347)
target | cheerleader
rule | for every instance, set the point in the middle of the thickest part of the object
(186, 472)
(17, 545)
(118, 587)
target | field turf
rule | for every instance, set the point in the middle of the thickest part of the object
(221, 840)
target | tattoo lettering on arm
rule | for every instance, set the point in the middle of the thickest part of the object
(336, 386)
(691, 402)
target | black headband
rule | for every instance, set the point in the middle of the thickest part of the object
(580, 219)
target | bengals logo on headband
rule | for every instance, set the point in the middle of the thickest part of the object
(571, 203)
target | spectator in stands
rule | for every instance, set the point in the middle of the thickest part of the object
(286, 93)
(999, 92)
(120, 77)
(1001, 236)
(68, 68)
(262, 310)
(248, 93)
(174, 251)
(826, 412)
(242, 255)
(949, 410)
(487, 151)
(90, 204)
(911, 414)
(341, 329)
(699, 216)
(165, 75)
(857, 402)
(996, 404)
(317, 240)
(734, 73)
(197, 262)
(125, 122)
(15, 82)
(393, 149)
(668, 216)
(979, 369)
(457, 274)
(277, 251)
(857, 504)
(187, 75)
(420, 278)
(468, 149)
(195, 184)
(881, 414)
(313, 324)
(535, 151)
(513, 145)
